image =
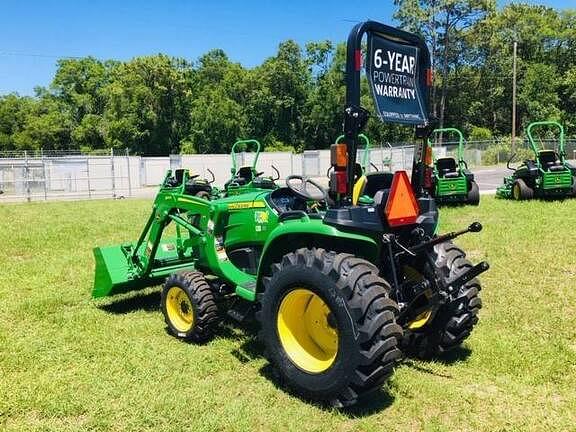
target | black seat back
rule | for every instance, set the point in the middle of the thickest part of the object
(377, 181)
(246, 173)
(549, 160)
(446, 165)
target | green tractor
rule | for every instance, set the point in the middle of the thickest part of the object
(548, 175)
(194, 185)
(341, 291)
(247, 178)
(244, 179)
(452, 181)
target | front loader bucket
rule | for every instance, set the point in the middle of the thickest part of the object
(114, 273)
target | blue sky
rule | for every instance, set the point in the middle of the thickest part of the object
(34, 34)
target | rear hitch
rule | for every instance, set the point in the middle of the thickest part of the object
(459, 281)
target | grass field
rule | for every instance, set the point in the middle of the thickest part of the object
(70, 363)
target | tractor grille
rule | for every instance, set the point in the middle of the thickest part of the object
(557, 180)
(457, 186)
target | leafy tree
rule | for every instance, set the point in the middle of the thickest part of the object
(158, 105)
(442, 23)
(147, 105)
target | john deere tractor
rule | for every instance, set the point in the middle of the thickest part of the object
(548, 175)
(453, 182)
(199, 187)
(341, 289)
(247, 178)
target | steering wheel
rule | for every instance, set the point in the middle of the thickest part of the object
(300, 186)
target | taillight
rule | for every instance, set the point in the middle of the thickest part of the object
(428, 180)
(428, 167)
(339, 155)
(341, 182)
(428, 155)
(429, 77)
(339, 160)
(401, 207)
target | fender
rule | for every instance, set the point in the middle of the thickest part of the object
(307, 232)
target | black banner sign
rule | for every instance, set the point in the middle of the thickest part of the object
(395, 81)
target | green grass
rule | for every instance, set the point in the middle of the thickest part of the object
(70, 363)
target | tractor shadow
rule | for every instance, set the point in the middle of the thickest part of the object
(149, 302)
(367, 405)
(251, 349)
(457, 355)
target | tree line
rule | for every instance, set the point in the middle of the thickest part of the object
(156, 105)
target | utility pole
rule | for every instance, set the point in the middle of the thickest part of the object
(513, 147)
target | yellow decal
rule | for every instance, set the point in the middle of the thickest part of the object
(246, 205)
(261, 217)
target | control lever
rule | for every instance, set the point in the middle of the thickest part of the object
(473, 227)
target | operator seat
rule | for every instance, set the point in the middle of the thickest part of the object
(243, 176)
(447, 167)
(369, 184)
(550, 160)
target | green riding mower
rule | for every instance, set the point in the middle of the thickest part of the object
(548, 175)
(452, 181)
(341, 291)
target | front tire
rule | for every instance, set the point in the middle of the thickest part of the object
(454, 321)
(188, 306)
(329, 325)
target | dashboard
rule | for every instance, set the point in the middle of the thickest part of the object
(283, 200)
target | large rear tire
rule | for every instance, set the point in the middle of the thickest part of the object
(329, 325)
(521, 191)
(188, 306)
(473, 194)
(454, 321)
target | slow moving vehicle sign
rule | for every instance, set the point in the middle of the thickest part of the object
(392, 70)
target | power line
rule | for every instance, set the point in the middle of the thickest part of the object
(24, 54)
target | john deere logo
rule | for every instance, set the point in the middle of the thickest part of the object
(452, 186)
(557, 179)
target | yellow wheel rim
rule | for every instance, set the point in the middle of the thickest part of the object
(307, 331)
(516, 192)
(420, 320)
(179, 309)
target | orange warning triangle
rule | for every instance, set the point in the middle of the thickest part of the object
(401, 207)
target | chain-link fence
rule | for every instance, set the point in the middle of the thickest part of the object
(42, 176)
(30, 176)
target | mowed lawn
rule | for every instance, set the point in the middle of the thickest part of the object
(68, 362)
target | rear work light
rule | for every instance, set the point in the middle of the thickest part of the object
(401, 207)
